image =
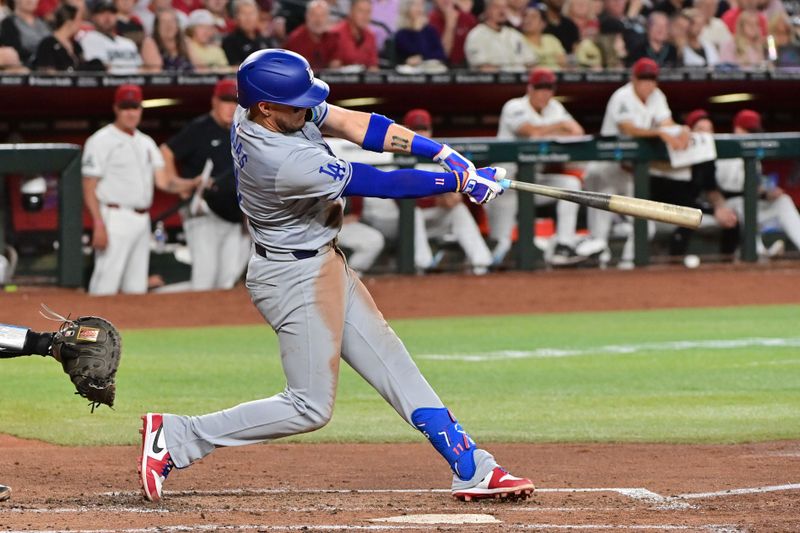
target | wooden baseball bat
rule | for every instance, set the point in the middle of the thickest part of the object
(688, 217)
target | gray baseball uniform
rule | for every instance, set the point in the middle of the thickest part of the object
(290, 189)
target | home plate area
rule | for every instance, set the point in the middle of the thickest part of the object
(332, 509)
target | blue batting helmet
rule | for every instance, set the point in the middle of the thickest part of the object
(281, 77)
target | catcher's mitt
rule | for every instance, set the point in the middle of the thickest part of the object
(89, 349)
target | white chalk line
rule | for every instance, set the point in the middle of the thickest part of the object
(738, 492)
(714, 528)
(619, 349)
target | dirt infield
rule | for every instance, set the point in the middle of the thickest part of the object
(332, 487)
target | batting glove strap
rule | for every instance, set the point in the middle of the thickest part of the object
(452, 160)
(480, 184)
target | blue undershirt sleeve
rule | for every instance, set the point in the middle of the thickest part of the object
(367, 180)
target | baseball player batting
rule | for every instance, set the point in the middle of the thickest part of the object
(291, 189)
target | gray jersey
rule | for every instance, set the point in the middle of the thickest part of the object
(290, 185)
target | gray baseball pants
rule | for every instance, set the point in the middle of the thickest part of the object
(321, 313)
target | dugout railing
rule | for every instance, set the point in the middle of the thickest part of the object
(638, 152)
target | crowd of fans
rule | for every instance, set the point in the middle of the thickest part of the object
(123, 36)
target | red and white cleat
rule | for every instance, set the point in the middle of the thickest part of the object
(497, 484)
(155, 462)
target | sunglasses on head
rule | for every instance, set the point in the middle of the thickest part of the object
(129, 105)
(647, 76)
(545, 86)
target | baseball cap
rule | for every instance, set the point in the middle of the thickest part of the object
(100, 6)
(200, 17)
(418, 119)
(749, 120)
(225, 89)
(541, 77)
(696, 116)
(645, 69)
(128, 96)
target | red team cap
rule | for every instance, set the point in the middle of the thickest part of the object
(418, 119)
(645, 69)
(542, 77)
(696, 116)
(749, 120)
(225, 89)
(128, 95)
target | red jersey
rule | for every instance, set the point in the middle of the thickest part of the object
(318, 53)
(466, 21)
(351, 51)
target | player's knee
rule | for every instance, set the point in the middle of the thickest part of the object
(318, 418)
(315, 413)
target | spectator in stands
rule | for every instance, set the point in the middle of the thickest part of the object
(581, 12)
(272, 27)
(217, 240)
(534, 116)
(775, 207)
(386, 12)
(245, 39)
(167, 48)
(635, 26)
(637, 109)
(492, 46)
(610, 43)
(146, 12)
(748, 48)
(118, 54)
(222, 19)
(187, 6)
(714, 31)
(201, 32)
(515, 13)
(696, 52)
(128, 24)
(314, 40)
(561, 25)
(60, 51)
(787, 47)
(416, 40)
(356, 42)
(23, 30)
(453, 25)
(545, 47)
(656, 46)
(731, 16)
(120, 164)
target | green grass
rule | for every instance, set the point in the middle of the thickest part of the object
(736, 394)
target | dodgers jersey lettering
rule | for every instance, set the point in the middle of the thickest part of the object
(290, 185)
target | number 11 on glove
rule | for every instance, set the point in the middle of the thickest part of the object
(481, 185)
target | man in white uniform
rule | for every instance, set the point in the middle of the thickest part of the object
(537, 115)
(775, 207)
(637, 109)
(492, 46)
(119, 166)
(118, 54)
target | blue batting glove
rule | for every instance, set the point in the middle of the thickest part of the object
(452, 160)
(481, 185)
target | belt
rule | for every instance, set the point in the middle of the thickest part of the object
(135, 209)
(291, 255)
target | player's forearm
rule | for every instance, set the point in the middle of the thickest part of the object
(629, 129)
(90, 199)
(16, 341)
(403, 183)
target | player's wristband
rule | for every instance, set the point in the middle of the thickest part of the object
(375, 137)
(366, 180)
(424, 147)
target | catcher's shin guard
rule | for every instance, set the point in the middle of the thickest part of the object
(445, 433)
